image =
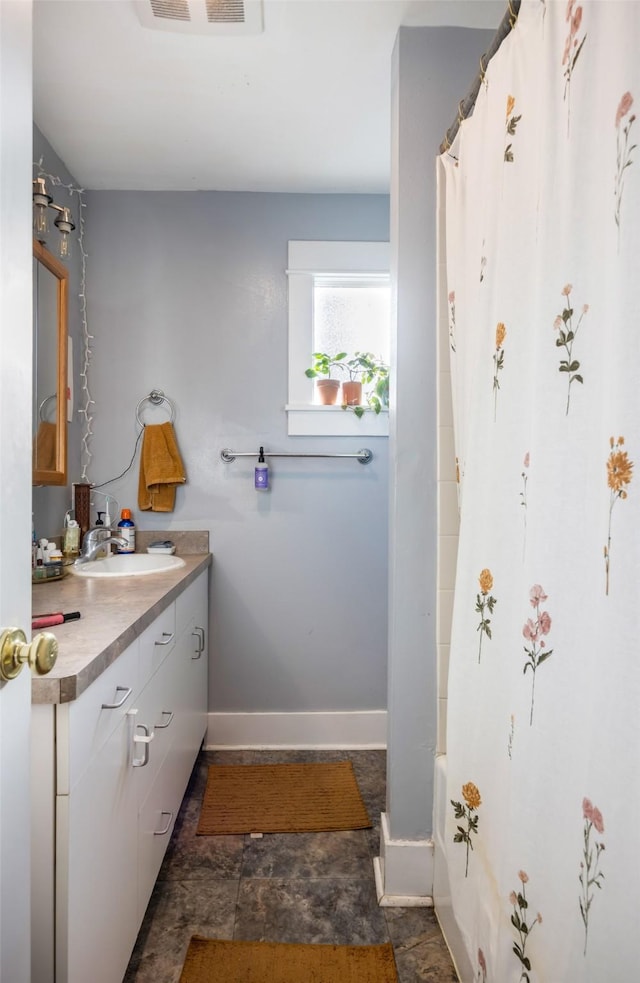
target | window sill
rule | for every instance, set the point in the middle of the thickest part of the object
(308, 420)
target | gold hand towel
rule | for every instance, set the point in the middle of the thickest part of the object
(161, 469)
(45, 446)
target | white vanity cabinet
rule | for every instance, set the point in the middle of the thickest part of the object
(177, 711)
(95, 828)
(123, 754)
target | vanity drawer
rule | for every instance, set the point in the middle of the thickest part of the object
(156, 642)
(84, 725)
(157, 712)
(157, 818)
(191, 604)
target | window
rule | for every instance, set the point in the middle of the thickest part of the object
(339, 300)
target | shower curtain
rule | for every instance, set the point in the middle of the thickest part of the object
(542, 191)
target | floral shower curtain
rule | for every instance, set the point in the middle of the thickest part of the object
(543, 299)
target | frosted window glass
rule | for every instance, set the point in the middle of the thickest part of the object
(352, 318)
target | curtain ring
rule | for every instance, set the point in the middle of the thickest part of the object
(483, 70)
(512, 16)
(460, 116)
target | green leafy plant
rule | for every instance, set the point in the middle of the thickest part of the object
(371, 371)
(362, 367)
(378, 397)
(323, 364)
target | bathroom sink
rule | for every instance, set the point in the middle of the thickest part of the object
(128, 565)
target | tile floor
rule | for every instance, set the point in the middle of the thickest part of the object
(285, 887)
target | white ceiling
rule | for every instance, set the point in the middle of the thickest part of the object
(301, 107)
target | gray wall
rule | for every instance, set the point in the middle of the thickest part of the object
(188, 294)
(432, 69)
(51, 503)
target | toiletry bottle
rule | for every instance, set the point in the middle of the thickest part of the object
(261, 472)
(106, 551)
(127, 530)
(71, 546)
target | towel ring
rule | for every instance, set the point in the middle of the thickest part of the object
(157, 397)
(44, 402)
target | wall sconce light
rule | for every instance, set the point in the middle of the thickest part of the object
(42, 202)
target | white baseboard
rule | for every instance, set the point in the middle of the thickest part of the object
(331, 730)
(403, 871)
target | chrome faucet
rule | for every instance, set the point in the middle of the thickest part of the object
(95, 540)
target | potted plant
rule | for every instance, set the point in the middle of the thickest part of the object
(327, 387)
(362, 368)
(365, 369)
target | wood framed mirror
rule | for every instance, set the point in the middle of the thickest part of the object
(50, 298)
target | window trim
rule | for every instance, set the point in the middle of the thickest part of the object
(307, 260)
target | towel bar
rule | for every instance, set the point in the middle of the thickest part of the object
(157, 397)
(363, 456)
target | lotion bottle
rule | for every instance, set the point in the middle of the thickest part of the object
(127, 531)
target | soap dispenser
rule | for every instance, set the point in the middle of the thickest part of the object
(261, 476)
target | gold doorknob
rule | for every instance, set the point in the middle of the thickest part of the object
(41, 653)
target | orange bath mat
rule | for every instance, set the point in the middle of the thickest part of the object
(282, 798)
(210, 960)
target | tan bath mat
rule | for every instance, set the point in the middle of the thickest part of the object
(217, 961)
(282, 798)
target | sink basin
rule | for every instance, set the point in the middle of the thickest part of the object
(128, 565)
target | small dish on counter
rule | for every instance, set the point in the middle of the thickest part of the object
(48, 572)
(163, 547)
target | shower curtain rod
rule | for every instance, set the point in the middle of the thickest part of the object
(465, 106)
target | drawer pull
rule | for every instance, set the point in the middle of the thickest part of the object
(199, 632)
(168, 636)
(161, 832)
(164, 714)
(116, 706)
(144, 739)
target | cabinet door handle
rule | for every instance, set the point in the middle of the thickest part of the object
(164, 714)
(168, 636)
(145, 740)
(116, 706)
(199, 632)
(161, 832)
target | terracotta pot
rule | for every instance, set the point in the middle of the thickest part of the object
(352, 393)
(328, 390)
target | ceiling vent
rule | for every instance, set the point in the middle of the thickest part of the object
(214, 17)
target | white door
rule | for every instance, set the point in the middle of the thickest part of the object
(15, 477)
